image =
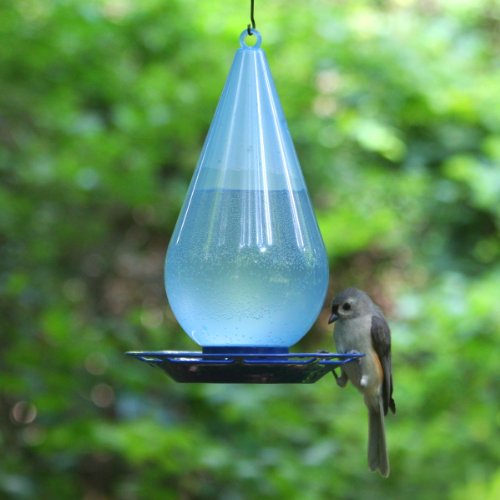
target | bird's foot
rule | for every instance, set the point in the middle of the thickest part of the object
(342, 380)
(357, 353)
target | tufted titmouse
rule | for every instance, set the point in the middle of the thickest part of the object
(361, 327)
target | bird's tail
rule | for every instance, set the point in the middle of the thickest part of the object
(377, 448)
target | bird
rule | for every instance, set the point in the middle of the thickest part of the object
(360, 327)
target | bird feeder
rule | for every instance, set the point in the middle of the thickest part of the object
(246, 270)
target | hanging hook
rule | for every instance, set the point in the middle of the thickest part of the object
(252, 26)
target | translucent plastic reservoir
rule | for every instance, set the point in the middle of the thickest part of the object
(246, 265)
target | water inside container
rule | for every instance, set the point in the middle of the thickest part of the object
(248, 269)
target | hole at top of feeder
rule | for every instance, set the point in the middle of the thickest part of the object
(252, 41)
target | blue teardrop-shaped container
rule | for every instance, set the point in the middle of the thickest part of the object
(246, 265)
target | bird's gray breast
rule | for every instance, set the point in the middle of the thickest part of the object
(353, 334)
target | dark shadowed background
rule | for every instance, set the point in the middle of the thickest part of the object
(104, 106)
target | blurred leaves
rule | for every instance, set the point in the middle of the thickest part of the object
(104, 105)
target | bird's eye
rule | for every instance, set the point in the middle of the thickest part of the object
(346, 306)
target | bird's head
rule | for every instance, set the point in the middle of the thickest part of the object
(350, 303)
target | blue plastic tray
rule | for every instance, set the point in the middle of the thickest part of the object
(245, 367)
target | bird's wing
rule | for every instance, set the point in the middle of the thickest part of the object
(381, 340)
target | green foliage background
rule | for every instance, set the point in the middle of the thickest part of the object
(104, 105)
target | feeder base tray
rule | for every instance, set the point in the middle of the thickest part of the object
(245, 367)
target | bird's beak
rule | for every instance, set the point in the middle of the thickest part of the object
(333, 317)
